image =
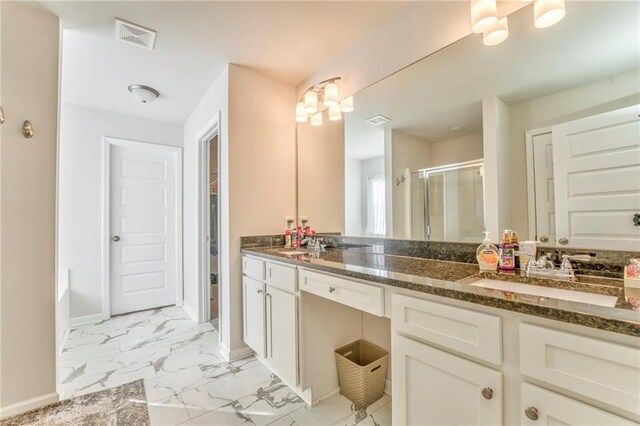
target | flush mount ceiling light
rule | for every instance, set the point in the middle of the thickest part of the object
(548, 12)
(325, 93)
(144, 94)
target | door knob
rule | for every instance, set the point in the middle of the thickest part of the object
(563, 241)
(531, 413)
(487, 393)
(115, 238)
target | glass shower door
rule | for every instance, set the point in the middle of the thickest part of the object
(448, 203)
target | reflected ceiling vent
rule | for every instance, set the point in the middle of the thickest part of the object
(377, 120)
(135, 34)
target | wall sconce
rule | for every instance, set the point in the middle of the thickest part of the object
(325, 93)
(27, 129)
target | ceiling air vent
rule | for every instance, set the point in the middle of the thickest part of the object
(377, 120)
(135, 34)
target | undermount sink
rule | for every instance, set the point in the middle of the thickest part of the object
(553, 293)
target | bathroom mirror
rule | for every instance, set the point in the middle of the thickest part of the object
(539, 134)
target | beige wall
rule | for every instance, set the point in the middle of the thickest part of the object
(595, 98)
(29, 73)
(456, 150)
(321, 174)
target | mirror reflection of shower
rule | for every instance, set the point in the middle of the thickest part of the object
(447, 202)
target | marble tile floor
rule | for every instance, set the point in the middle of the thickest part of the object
(185, 379)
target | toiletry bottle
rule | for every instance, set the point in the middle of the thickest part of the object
(287, 239)
(294, 239)
(516, 249)
(507, 261)
(487, 254)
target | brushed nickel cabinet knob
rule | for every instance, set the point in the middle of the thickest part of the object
(115, 238)
(487, 393)
(531, 413)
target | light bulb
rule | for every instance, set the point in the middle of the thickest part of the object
(316, 119)
(548, 12)
(347, 104)
(331, 94)
(484, 14)
(311, 102)
(497, 33)
(301, 115)
(334, 113)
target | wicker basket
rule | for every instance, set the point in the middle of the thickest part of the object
(362, 370)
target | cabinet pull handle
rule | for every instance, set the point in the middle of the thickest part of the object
(259, 291)
(487, 393)
(332, 289)
(531, 413)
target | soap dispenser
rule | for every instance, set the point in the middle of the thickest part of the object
(487, 255)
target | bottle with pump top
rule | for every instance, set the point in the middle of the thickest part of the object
(487, 255)
(507, 261)
(516, 249)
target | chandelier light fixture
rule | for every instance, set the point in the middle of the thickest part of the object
(325, 93)
(484, 18)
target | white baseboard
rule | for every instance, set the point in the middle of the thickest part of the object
(86, 320)
(230, 355)
(190, 311)
(28, 405)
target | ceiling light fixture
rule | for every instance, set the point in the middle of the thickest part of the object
(497, 33)
(144, 94)
(484, 14)
(548, 12)
(326, 93)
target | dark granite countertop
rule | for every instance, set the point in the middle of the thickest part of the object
(452, 280)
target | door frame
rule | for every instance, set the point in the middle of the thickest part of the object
(203, 306)
(108, 143)
(531, 185)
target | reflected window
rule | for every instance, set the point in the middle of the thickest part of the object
(375, 207)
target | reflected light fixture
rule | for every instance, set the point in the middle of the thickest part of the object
(497, 33)
(548, 12)
(334, 112)
(324, 93)
(144, 94)
(484, 14)
(316, 119)
(347, 104)
(301, 115)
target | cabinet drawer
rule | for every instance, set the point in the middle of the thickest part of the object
(472, 333)
(253, 268)
(282, 277)
(554, 409)
(598, 369)
(358, 295)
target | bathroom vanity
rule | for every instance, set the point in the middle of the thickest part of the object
(460, 353)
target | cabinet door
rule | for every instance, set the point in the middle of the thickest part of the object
(254, 329)
(282, 334)
(542, 407)
(432, 387)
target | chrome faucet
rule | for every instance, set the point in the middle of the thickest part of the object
(313, 243)
(544, 267)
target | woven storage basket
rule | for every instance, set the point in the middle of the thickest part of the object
(362, 370)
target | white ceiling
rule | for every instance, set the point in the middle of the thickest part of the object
(285, 40)
(596, 40)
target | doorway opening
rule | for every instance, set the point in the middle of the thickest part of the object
(214, 231)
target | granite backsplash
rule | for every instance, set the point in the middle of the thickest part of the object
(604, 263)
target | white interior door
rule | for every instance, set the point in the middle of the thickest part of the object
(597, 180)
(544, 188)
(144, 227)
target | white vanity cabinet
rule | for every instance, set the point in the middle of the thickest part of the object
(433, 387)
(270, 314)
